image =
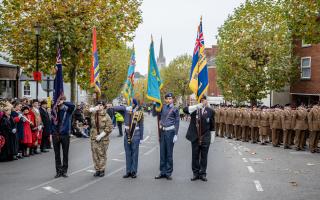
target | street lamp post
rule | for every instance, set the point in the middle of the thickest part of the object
(37, 29)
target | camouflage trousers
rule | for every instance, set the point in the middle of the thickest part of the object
(99, 154)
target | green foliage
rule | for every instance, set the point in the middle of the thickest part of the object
(176, 76)
(73, 20)
(303, 18)
(255, 52)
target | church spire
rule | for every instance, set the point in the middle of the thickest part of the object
(161, 61)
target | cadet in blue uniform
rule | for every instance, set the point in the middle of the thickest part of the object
(169, 127)
(133, 121)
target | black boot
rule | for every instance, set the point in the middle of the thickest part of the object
(127, 175)
(101, 174)
(96, 174)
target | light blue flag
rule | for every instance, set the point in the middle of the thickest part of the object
(154, 80)
(129, 91)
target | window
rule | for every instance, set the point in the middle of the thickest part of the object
(26, 89)
(304, 44)
(306, 68)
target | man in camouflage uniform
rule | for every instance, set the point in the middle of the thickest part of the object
(237, 124)
(245, 115)
(275, 126)
(286, 123)
(314, 128)
(254, 124)
(101, 128)
(300, 126)
(222, 120)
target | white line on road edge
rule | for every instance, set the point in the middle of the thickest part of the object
(239, 153)
(121, 153)
(150, 151)
(91, 171)
(245, 160)
(118, 160)
(251, 170)
(54, 180)
(258, 186)
(235, 148)
(95, 181)
(51, 189)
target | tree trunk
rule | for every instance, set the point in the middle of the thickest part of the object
(253, 102)
(73, 73)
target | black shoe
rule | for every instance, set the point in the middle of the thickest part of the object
(287, 147)
(96, 174)
(203, 178)
(119, 136)
(195, 178)
(57, 175)
(133, 175)
(160, 176)
(297, 149)
(169, 178)
(64, 175)
(127, 175)
(101, 174)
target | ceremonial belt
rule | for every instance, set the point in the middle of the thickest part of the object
(169, 128)
(128, 127)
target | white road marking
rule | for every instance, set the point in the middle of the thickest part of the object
(300, 152)
(54, 180)
(51, 189)
(95, 181)
(91, 171)
(256, 160)
(239, 153)
(122, 153)
(251, 170)
(258, 186)
(150, 151)
(235, 148)
(245, 160)
(118, 160)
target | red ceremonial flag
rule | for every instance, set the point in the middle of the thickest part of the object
(37, 76)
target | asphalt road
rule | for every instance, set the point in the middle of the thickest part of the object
(236, 171)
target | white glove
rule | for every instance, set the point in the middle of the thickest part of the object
(193, 108)
(94, 109)
(39, 127)
(14, 131)
(141, 141)
(20, 115)
(100, 136)
(175, 138)
(129, 108)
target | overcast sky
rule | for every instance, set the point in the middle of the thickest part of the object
(176, 21)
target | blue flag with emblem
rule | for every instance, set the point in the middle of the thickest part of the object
(198, 82)
(154, 79)
(129, 91)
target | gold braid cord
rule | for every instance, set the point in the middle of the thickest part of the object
(137, 116)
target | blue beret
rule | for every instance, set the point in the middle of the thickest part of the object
(168, 95)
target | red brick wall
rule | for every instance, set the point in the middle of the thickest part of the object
(213, 89)
(311, 86)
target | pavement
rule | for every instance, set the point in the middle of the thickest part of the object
(236, 171)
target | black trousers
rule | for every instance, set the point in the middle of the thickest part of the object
(120, 127)
(63, 141)
(45, 141)
(200, 158)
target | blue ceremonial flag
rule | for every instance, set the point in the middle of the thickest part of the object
(154, 80)
(199, 70)
(129, 91)
(58, 84)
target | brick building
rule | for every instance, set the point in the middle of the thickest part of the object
(214, 94)
(306, 89)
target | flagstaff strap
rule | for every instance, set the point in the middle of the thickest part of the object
(97, 121)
